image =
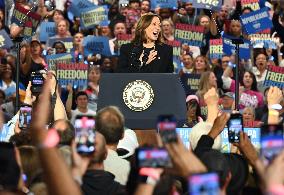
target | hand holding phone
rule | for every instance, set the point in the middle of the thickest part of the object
(235, 126)
(85, 134)
(37, 81)
(207, 183)
(152, 157)
(25, 116)
(271, 141)
(167, 128)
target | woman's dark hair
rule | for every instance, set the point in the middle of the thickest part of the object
(247, 8)
(143, 23)
(58, 42)
(194, 104)
(254, 82)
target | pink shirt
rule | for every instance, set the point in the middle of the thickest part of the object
(248, 98)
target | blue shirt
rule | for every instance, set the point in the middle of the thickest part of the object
(8, 129)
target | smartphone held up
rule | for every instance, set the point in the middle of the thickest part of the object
(85, 134)
(166, 126)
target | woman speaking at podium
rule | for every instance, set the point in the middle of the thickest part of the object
(146, 53)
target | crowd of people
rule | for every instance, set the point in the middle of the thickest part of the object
(42, 157)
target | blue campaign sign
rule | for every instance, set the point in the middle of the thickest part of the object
(77, 6)
(184, 136)
(229, 47)
(47, 29)
(164, 4)
(256, 21)
(53, 60)
(207, 4)
(96, 45)
(92, 16)
(5, 41)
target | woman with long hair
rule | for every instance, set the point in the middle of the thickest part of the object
(146, 53)
(249, 94)
(207, 81)
(200, 65)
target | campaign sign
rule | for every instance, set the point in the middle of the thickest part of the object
(256, 21)
(5, 41)
(90, 17)
(53, 60)
(75, 74)
(264, 39)
(164, 4)
(184, 136)
(216, 48)
(190, 83)
(207, 4)
(176, 54)
(123, 39)
(35, 19)
(253, 4)
(96, 45)
(274, 77)
(28, 31)
(229, 47)
(47, 29)
(189, 34)
(19, 16)
(77, 6)
(68, 42)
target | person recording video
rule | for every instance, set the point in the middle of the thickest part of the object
(146, 53)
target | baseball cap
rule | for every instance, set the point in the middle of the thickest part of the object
(192, 97)
(128, 143)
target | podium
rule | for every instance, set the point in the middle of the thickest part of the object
(159, 93)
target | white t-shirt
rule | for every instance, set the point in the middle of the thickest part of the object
(76, 112)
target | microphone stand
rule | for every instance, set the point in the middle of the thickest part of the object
(18, 41)
(237, 43)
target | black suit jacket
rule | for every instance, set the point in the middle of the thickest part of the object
(129, 57)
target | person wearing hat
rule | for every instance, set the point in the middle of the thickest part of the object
(193, 113)
(227, 101)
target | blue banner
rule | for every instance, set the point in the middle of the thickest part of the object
(184, 136)
(190, 83)
(205, 4)
(164, 4)
(53, 60)
(229, 47)
(5, 41)
(47, 29)
(96, 15)
(96, 45)
(256, 21)
(253, 133)
(77, 6)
